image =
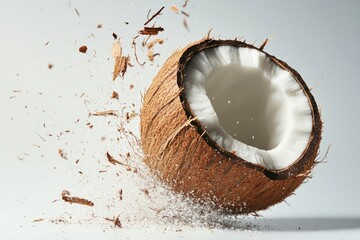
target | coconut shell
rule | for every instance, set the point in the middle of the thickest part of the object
(181, 153)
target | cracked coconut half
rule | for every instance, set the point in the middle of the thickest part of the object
(224, 121)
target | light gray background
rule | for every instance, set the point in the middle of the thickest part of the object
(320, 39)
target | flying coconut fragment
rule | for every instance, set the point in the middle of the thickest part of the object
(121, 62)
(226, 122)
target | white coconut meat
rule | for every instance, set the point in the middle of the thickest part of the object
(249, 105)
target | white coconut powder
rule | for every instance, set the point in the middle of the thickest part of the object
(249, 105)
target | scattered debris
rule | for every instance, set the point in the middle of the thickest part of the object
(83, 49)
(186, 14)
(120, 66)
(38, 220)
(133, 44)
(131, 115)
(144, 190)
(112, 160)
(144, 42)
(127, 159)
(151, 30)
(66, 197)
(121, 194)
(58, 221)
(40, 136)
(77, 12)
(104, 113)
(175, 9)
(62, 154)
(121, 62)
(114, 95)
(186, 24)
(153, 16)
(152, 43)
(151, 55)
(117, 222)
(109, 219)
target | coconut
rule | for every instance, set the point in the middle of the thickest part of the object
(224, 121)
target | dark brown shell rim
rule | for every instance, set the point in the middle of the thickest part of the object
(310, 151)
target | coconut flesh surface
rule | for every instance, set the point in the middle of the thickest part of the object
(249, 105)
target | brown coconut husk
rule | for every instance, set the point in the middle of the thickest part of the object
(179, 150)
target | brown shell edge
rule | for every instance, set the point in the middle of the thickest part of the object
(314, 141)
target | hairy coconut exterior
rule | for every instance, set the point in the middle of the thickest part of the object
(178, 149)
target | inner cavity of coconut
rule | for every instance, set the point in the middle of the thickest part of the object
(248, 105)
